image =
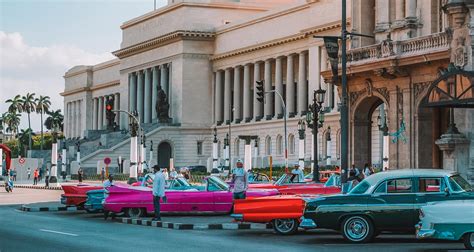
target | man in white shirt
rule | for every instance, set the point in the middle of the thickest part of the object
(158, 191)
(109, 182)
(299, 174)
(240, 180)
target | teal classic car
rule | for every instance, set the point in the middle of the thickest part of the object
(386, 201)
(437, 221)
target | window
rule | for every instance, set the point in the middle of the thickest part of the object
(399, 186)
(237, 147)
(430, 185)
(291, 144)
(268, 146)
(279, 144)
(199, 148)
(459, 184)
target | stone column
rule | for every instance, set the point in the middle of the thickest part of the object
(70, 119)
(132, 102)
(257, 106)
(237, 95)
(94, 114)
(117, 106)
(314, 75)
(219, 97)
(147, 98)
(247, 94)
(278, 87)
(79, 118)
(227, 96)
(410, 9)
(164, 78)
(382, 19)
(140, 96)
(400, 9)
(101, 114)
(74, 119)
(268, 87)
(302, 85)
(290, 87)
(154, 93)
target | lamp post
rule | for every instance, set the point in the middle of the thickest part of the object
(226, 152)
(63, 160)
(315, 120)
(301, 130)
(214, 150)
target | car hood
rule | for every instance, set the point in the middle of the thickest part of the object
(443, 211)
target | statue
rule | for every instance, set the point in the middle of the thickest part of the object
(460, 54)
(162, 106)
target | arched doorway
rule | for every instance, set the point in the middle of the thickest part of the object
(369, 143)
(164, 154)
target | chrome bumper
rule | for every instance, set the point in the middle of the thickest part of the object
(307, 223)
(424, 233)
(237, 217)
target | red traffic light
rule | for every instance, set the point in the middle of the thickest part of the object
(108, 107)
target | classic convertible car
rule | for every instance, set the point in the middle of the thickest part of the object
(287, 184)
(75, 195)
(437, 221)
(213, 198)
(95, 197)
(283, 211)
(384, 201)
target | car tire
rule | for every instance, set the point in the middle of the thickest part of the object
(469, 241)
(357, 229)
(285, 226)
(135, 212)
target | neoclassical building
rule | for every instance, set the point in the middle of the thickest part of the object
(206, 55)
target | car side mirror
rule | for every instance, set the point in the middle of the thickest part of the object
(446, 191)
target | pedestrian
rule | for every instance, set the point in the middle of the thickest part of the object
(173, 173)
(14, 174)
(11, 173)
(28, 172)
(298, 172)
(165, 173)
(109, 182)
(367, 171)
(35, 176)
(240, 180)
(102, 174)
(46, 178)
(79, 175)
(158, 191)
(354, 174)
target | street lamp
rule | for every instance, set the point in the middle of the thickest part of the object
(301, 129)
(382, 125)
(315, 120)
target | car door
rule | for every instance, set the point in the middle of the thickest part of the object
(429, 189)
(392, 204)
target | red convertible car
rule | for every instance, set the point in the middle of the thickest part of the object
(287, 184)
(76, 195)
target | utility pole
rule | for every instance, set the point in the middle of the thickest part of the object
(344, 109)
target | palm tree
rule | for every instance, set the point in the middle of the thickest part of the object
(24, 138)
(28, 105)
(12, 120)
(54, 120)
(42, 106)
(16, 104)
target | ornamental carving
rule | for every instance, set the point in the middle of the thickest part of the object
(354, 96)
(384, 92)
(460, 52)
(369, 87)
(419, 88)
(386, 48)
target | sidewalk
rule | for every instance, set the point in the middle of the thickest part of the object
(26, 196)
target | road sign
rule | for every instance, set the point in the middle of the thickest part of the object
(21, 160)
(107, 160)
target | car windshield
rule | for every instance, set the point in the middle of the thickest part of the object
(361, 188)
(287, 179)
(182, 182)
(459, 184)
(216, 184)
(334, 180)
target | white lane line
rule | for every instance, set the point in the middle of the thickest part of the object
(57, 232)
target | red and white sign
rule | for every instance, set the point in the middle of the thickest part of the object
(21, 160)
(107, 160)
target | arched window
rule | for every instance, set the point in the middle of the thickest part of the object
(268, 146)
(291, 144)
(279, 145)
(237, 147)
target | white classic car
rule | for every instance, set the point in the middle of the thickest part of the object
(449, 220)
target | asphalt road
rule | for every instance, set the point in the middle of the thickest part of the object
(77, 231)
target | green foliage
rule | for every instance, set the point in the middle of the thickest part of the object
(14, 147)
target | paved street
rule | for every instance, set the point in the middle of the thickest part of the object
(78, 231)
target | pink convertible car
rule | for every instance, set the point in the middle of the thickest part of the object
(212, 198)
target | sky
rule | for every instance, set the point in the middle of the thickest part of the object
(41, 39)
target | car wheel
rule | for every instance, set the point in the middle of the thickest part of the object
(357, 229)
(469, 241)
(285, 226)
(134, 212)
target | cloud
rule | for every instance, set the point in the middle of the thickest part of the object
(31, 69)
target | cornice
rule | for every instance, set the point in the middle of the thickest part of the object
(112, 63)
(299, 36)
(172, 7)
(105, 85)
(163, 40)
(74, 91)
(88, 69)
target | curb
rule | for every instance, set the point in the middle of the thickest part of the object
(185, 226)
(38, 187)
(46, 209)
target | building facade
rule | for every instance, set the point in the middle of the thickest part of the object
(208, 63)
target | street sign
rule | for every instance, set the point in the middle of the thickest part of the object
(21, 160)
(107, 160)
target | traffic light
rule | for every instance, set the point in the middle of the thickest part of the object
(260, 91)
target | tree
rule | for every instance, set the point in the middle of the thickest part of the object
(28, 105)
(12, 121)
(43, 104)
(24, 137)
(54, 120)
(15, 104)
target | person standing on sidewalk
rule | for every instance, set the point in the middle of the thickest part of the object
(102, 174)
(240, 180)
(35, 176)
(28, 172)
(79, 175)
(14, 174)
(46, 178)
(158, 191)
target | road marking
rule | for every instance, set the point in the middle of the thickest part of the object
(57, 232)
